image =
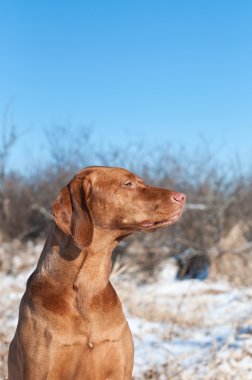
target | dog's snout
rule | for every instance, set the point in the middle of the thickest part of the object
(179, 197)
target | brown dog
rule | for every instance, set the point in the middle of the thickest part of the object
(71, 324)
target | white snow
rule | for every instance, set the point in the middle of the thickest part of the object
(204, 329)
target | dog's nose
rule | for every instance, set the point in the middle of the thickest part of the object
(179, 197)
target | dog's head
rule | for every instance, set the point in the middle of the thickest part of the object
(113, 199)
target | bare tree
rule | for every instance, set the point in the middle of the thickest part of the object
(8, 139)
(69, 148)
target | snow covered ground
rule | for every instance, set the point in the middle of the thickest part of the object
(190, 329)
(183, 330)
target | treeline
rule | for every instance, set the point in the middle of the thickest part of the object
(218, 196)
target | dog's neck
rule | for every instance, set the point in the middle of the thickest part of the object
(96, 266)
(87, 269)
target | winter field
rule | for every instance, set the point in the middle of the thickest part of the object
(183, 330)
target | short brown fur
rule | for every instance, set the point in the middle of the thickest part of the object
(71, 324)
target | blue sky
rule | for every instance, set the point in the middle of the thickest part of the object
(150, 71)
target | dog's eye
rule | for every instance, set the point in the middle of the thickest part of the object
(129, 185)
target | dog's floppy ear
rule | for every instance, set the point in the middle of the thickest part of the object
(71, 213)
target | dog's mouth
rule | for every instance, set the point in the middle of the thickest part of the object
(148, 225)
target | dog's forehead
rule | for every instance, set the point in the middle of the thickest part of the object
(106, 173)
(113, 175)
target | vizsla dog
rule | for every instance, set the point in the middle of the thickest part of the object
(71, 324)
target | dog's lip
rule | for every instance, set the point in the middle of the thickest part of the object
(147, 224)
